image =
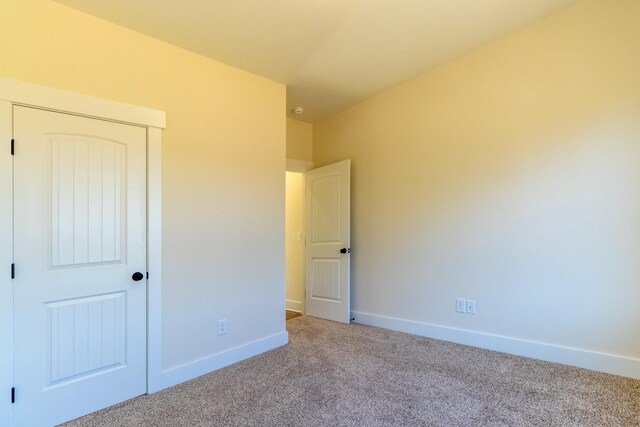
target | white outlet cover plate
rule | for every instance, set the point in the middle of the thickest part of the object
(471, 306)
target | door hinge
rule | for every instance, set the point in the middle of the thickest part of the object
(13, 395)
(147, 275)
(13, 143)
(13, 271)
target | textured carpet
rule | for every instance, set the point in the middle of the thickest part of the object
(332, 374)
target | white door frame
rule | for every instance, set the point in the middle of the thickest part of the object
(14, 92)
(6, 258)
(300, 166)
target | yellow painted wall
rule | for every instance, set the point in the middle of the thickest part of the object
(294, 240)
(223, 164)
(299, 140)
(510, 175)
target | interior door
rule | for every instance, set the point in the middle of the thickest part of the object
(328, 197)
(80, 237)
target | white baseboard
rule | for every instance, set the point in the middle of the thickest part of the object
(192, 370)
(294, 305)
(609, 363)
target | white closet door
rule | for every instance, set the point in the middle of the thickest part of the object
(80, 235)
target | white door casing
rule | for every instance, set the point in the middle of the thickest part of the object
(80, 227)
(295, 241)
(14, 92)
(6, 258)
(328, 196)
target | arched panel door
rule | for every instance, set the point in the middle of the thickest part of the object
(328, 210)
(80, 238)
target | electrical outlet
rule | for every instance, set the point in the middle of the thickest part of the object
(222, 326)
(471, 306)
(461, 305)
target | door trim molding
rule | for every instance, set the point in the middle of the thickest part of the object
(154, 260)
(6, 258)
(294, 165)
(29, 94)
(14, 92)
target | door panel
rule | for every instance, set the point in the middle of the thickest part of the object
(80, 223)
(328, 231)
(87, 335)
(87, 200)
(326, 209)
(326, 279)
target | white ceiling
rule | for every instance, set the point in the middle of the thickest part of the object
(330, 53)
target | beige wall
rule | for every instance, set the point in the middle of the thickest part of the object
(294, 240)
(223, 163)
(512, 176)
(299, 140)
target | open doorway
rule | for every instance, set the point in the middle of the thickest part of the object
(295, 243)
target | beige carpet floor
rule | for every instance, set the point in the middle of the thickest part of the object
(332, 374)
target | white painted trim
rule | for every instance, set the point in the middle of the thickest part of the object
(30, 94)
(6, 258)
(291, 167)
(298, 165)
(609, 363)
(154, 260)
(294, 305)
(19, 93)
(220, 360)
